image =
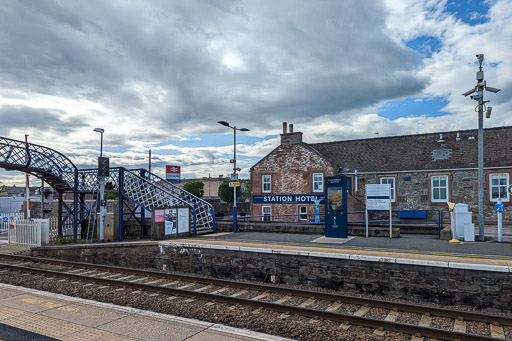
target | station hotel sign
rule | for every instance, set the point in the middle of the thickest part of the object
(287, 199)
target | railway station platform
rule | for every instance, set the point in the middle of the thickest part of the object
(28, 314)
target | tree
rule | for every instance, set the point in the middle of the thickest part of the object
(226, 192)
(246, 194)
(195, 187)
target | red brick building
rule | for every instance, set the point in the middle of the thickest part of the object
(425, 171)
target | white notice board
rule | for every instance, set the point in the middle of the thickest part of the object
(183, 220)
(378, 198)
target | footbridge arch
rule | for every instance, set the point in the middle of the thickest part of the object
(144, 190)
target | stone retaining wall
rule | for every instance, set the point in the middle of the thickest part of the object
(359, 274)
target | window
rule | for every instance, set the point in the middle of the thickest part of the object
(266, 212)
(303, 213)
(439, 188)
(266, 184)
(498, 186)
(391, 182)
(318, 182)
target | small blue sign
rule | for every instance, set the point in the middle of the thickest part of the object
(499, 207)
(6, 219)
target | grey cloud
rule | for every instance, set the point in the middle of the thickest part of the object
(298, 59)
(40, 119)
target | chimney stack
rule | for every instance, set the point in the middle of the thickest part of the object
(289, 138)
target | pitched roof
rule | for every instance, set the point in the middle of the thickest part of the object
(420, 151)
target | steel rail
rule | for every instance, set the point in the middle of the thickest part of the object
(376, 303)
(337, 317)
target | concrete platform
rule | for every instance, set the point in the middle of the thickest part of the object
(412, 247)
(28, 314)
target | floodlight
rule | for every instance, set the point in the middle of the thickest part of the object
(469, 92)
(488, 113)
(488, 88)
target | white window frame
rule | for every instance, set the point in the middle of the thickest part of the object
(432, 188)
(393, 188)
(266, 182)
(264, 214)
(507, 198)
(303, 211)
(320, 183)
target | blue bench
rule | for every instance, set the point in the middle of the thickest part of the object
(417, 215)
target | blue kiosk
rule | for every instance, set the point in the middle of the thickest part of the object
(336, 188)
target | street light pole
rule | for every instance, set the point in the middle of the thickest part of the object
(102, 189)
(235, 169)
(27, 183)
(478, 96)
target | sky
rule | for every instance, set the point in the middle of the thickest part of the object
(158, 75)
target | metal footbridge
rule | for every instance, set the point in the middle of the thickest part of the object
(138, 190)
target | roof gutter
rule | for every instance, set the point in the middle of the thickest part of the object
(423, 170)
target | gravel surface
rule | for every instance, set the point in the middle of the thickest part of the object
(301, 328)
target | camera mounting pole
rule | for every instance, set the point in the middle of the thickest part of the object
(479, 97)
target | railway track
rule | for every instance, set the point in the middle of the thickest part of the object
(381, 315)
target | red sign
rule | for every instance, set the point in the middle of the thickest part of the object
(159, 216)
(172, 173)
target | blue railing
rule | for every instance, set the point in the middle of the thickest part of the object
(436, 216)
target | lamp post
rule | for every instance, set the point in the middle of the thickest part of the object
(234, 176)
(27, 183)
(102, 188)
(478, 96)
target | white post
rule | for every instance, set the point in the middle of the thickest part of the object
(500, 224)
(390, 213)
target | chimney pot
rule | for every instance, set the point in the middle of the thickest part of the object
(291, 128)
(284, 128)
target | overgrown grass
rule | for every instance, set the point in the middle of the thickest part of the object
(62, 241)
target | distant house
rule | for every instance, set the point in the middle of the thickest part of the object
(425, 171)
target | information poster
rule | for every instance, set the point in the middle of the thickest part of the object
(183, 220)
(170, 221)
(159, 216)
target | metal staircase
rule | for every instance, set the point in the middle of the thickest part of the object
(143, 189)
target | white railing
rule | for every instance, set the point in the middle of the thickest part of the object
(5, 219)
(29, 232)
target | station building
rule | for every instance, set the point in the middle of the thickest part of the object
(425, 171)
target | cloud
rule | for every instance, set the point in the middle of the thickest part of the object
(154, 74)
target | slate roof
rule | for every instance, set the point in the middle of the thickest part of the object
(420, 151)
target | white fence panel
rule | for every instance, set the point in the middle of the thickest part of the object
(29, 232)
(6, 217)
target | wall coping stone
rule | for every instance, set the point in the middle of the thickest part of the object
(364, 258)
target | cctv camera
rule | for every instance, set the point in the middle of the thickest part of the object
(488, 88)
(488, 113)
(477, 96)
(480, 57)
(469, 92)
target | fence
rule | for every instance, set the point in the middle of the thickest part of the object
(5, 218)
(29, 232)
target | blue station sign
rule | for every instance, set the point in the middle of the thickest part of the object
(286, 198)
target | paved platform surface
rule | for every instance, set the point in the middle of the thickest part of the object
(28, 314)
(423, 248)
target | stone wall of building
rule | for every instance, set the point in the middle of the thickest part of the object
(414, 194)
(442, 285)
